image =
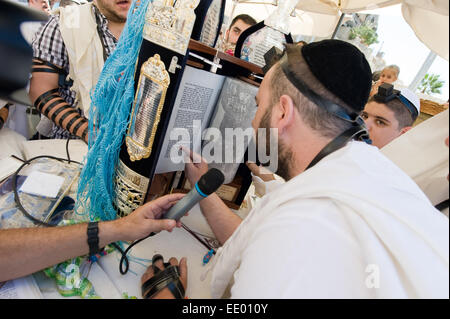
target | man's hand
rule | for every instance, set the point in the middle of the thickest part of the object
(375, 87)
(145, 219)
(262, 173)
(195, 167)
(165, 293)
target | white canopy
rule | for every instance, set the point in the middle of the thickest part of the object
(428, 18)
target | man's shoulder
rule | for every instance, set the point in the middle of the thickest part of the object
(320, 214)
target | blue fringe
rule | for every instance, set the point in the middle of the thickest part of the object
(111, 101)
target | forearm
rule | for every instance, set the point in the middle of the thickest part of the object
(45, 97)
(220, 218)
(62, 114)
(27, 250)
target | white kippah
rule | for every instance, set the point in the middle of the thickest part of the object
(412, 97)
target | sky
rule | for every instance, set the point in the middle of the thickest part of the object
(403, 48)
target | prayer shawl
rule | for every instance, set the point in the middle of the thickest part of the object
(79, 32)
(422, 154)
(394, 223)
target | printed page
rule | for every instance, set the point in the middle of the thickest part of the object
(195, 102)
(21, 288)
(232, 121)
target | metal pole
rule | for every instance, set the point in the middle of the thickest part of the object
(423, 70)
(338, 25)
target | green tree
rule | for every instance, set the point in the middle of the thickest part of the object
(366, 33)
(431, 84)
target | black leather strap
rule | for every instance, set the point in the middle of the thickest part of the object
(442, 205)
(169, 277)
(75, 129)
(44, 97)
(71, 122)
(65, 115)
(59, 110)
(62, 79)
(51, 106)
(42, 63)
(337, 143)
(44, 70)
(83, 135)
(46, 100)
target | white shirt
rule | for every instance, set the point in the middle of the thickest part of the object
(352, 226)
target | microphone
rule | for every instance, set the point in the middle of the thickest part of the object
(206, 185)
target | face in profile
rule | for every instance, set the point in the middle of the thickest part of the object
(381, 123)
(233, 33)
(262, 120)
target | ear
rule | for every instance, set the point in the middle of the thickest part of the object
(405, 129)
(284, 114)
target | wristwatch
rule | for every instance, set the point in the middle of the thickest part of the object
(93, 240)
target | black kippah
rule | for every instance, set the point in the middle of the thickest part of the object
(342, 69)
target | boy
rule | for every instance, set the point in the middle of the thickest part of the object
(390, 113)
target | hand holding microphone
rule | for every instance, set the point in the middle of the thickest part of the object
(206, 185)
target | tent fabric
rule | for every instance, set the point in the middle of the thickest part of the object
(430, 27)
(429, 19)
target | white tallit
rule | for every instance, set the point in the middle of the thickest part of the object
(422, 154)
(79, 32)
(394, 223)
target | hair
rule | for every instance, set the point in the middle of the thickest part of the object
(401, 112)
(393, 67)
(318, 119)
(244, 17)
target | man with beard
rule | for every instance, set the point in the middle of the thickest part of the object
(347, 223)
(69, 52)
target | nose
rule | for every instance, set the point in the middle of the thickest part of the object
(368, 124)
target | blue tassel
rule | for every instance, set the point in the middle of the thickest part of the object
(111, 101)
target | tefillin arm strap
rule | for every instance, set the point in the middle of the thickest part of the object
(47, 67)
(62, 114)
(357, 131)
(53, 106)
